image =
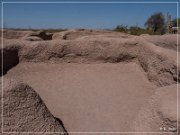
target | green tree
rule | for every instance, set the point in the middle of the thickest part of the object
(175, 21)
(156, 23)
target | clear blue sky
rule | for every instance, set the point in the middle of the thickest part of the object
(101, 16)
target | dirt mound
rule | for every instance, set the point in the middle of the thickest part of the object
(80, 50)
(14, 34)
(160, 114)
(26, 35)
(24, 111)
(159, 63)
(86, 33)
(166, 41)
(38, 36)
(72, 34)
(33, 38)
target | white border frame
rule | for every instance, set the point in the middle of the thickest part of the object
(177, 3)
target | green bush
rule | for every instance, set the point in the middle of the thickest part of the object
(135, 30)
(138, 31)
(121, 28)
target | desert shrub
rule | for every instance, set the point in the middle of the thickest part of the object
(121, 28)
(135, 30)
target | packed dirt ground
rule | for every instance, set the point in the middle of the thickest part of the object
(81, 80)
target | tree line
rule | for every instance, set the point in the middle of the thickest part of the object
(156, 24)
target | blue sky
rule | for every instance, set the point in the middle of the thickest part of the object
(100, 16)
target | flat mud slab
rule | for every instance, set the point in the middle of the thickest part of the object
(103, 97)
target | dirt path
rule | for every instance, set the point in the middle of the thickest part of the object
(89, 97)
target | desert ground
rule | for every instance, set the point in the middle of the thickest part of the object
(81, 80)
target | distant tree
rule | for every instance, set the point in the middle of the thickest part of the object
(122, 28)
(156, 22)
(175, 21)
